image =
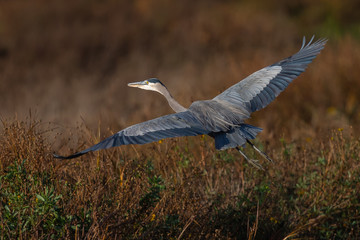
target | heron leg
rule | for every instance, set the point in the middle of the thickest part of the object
(253, 162)
(264, 155)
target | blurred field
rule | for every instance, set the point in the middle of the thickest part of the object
(64, 67)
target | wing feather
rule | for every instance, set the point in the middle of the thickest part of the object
(262, 87)
(173, 125)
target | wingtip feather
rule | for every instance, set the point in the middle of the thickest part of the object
(320, 41)
(67, 157)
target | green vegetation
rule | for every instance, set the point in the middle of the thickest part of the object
(310, 192)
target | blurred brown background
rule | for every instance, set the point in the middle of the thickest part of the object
(71, 60)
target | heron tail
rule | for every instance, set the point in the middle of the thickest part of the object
(237, 136)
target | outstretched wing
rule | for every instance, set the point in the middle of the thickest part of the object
(173, 125)
(262, 87)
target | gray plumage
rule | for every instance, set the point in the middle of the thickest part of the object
(221, 117)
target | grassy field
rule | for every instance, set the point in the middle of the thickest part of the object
(179, 189)
(63, 72)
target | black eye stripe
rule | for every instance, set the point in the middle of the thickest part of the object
(155, 80)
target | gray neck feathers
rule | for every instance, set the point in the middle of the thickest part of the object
(172, 102)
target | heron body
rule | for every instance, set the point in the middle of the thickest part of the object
(221, 117)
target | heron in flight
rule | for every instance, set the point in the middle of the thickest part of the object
(221, 117)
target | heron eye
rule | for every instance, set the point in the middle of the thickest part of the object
(147, 82)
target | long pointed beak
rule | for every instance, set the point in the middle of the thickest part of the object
(136, 84)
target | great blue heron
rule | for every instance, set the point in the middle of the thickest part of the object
(221, 117)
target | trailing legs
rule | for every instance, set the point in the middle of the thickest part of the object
(264, 155)
(254, 162)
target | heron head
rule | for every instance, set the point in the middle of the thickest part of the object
(152, 84)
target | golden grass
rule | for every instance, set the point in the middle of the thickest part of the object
(178, 189)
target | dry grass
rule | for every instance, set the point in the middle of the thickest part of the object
(178, 189)
(70, 62)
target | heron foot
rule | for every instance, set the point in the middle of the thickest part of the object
(264, 155)
(253, 162)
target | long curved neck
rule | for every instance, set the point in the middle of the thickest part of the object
(172, 102)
